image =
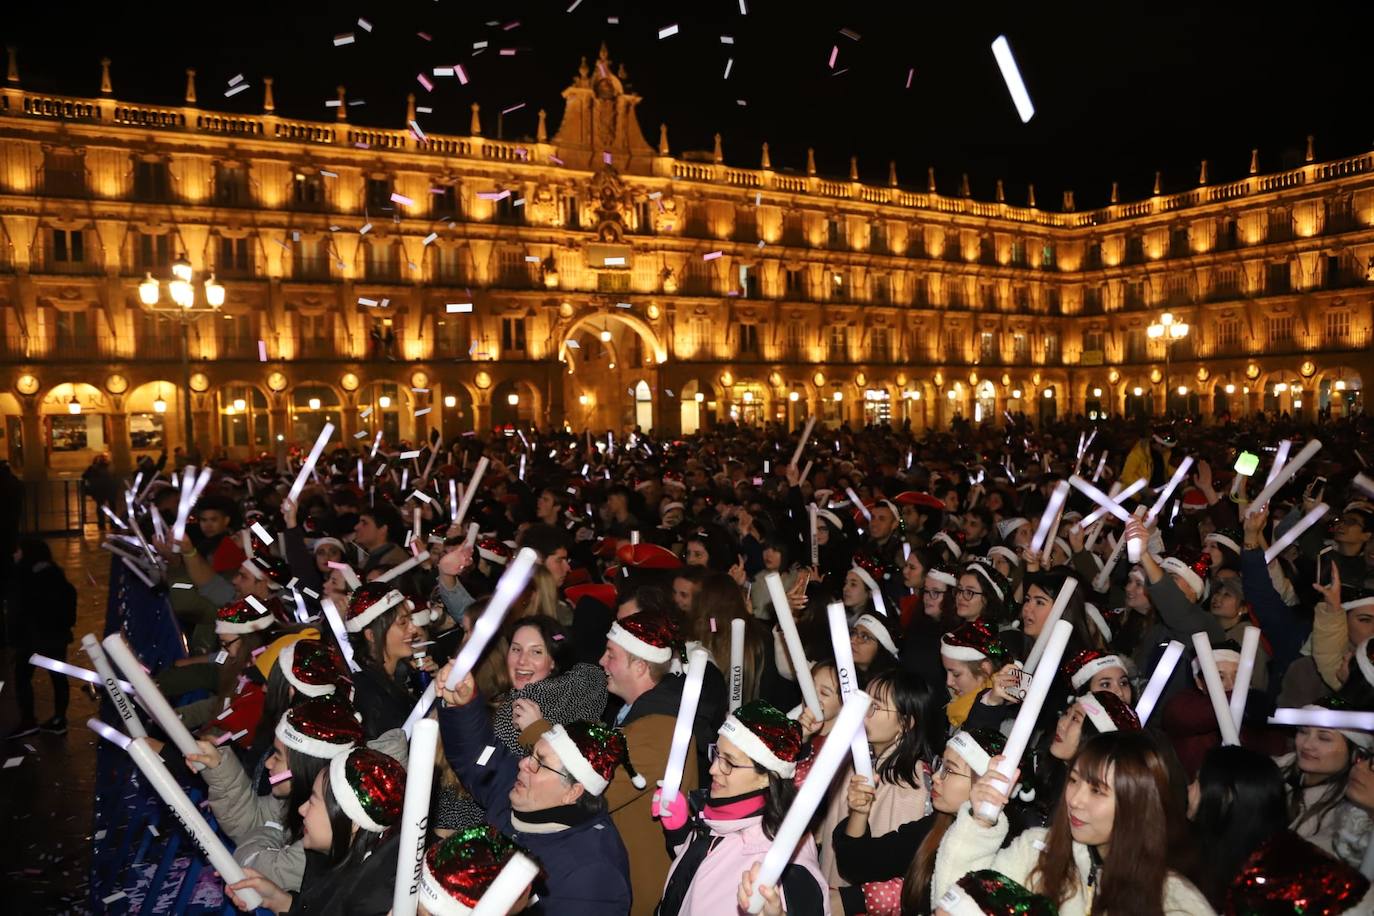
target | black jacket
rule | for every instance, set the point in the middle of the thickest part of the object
(40, 607)
(384, 702)
(362, 890)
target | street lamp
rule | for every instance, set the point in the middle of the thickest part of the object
(181, 291)
(1170, 331)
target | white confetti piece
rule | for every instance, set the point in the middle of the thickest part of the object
(457, 307)
(364, 24)
(730, 62)
(236, 90)
(668, 31)
(575, 5)
(182, 585)
(422, 411)
(481, 760)
(234, 81)
(506, 111)
(361, 434)
(614, 262)
(850, 34)
(443, 71)
(347, 38)
(727, 39)
(117, 895)
(743, 10)
(406, 456)
(262, 533)
(363, 300)
(222, 656)
(429, 239)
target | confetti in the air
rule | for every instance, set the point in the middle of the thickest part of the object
(443, 71)
(506, 111)
(431, 237)
(424, 81)
(236, 90)
(458, 307)
(730, 62)
(1001, 49)
(401, 198)
(834, 53)
(909, 75)
(668, 31)
(727, 39)
(262, 351)
(850, 34)
(425, 35)
(344, 39)
(575, 5)
(711, 255)
(367, 227)
(462, 74)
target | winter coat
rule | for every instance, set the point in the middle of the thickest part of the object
(1319, 831)
(969, 846)
(1191, 724)
(578, 694)
(585, 868)
(706, 871)
(41, 607)
(363, 890)
(385, 703)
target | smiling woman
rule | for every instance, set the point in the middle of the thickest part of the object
(545, 682)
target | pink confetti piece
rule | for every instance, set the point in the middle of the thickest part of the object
(834, 53)
(401, 198)
(424, 81)
(425, 35)
(909, 74)
(555, 160)
(575, 5)
(283, 776)
(613, 20)
(223, 739)
(506, 111)
(462, 74)
(711, 255)
(493, 195)
(262, 351)
(713, 624)
(508, 52)
(606, 157)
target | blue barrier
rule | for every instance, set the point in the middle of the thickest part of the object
(139, 850)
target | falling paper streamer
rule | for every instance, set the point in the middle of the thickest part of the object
(1001, 50)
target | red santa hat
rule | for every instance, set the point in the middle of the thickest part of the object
(1007, 527)
(950, 541)
(648, 635)
(1192, 567)
(591, 751)
(647, 556)
(944, 575)
(919, 499)
(370, 601)
(1286, 874)
(871, 572)
(312, 666)
(766, 736)
(597, 591)
(1108, 712)
(245, 615)
(977, 746)
(494, 551)
(270, 569)
(878, 630)
(458, 870)
(973, 642)
(1088, 664)
(369, 787)
(324, 727)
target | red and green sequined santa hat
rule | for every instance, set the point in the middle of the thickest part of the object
(459, 870)
(1288, 875)
(370, 601)
(973, 642)
(991, 893)
(245, 615)
(312, 666)
(1108, 712)
(273, 570)
(369, 787)
(325, 728)
(591, 751)
(766, 736)
(1088, 664)
(647, 635)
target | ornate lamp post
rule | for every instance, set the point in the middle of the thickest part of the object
(181, 292)
(1170, 331)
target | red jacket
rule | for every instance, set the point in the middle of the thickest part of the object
(1191, 724)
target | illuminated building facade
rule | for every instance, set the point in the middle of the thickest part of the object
(588, 277)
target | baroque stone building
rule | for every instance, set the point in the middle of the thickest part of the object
(398, 281)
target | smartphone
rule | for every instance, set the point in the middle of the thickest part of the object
(1319, 486)
(1324, 564)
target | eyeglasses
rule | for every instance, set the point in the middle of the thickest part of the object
(862, 636)
(943, 770)
(727, 766)
(541, 765)
(934, 592)
(876, 708)
(968, 593)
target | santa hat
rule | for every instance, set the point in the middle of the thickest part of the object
(647, 556)
(944, 575)
(1226, 537)
(370, 601)
(1097, 619)
(1007, 527)
(1191, 567)
(268, 568)
(591, 751)
(494, 551)
(669, 506)
(869, 571)
(1228, 650)
(1108, 712)
(991, 893)
(245, 615)
(1364, 600)
(323, 728)
(1286, 874)
(918, 499)
(1193, 500)
(459, 870)
(369, 787)
(766, 736)
(831, 518)
(972, 642)
(648, 635)
(326, 542)
(983, 570)
(1005, 553)
(879, 631)
(944, 537)
(312, 667)
(977, 746)
(1087, 664)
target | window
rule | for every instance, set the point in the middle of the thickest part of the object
(748, 282)
(68, 247)
(1092, 299)
(703, 334)
(1135, 249)
(151, 180)
(644, 217)
(152, 252)
(839, 285)
(513, 335)
(1092, 343)
(879, 288)
(698, 277)
(507, 213)
(1228, 333)
(746, 225)
(1225, 282)
(613, 281)
(793, 230)
(987, 347)
(987, 250)
(380, 261)
(696, 224)
(378, 194)
(834, 233)
(1047, 255)
(311, 260)
(443, 200)
(839, 343)
(235, 258)
(448, 264)
(987, 295)
(795, 284)
(572, 212)
(1092, 258)
(454, 336)
(315, 333)
(1020, 352)
(1337, 327)
(308, 192)
(514, 269)
(1052, 357)
(1018, 253)
(71, 331)
(1178, 242)
(954, 292)
(880, 345)
(749, 339)
(877, 238)
(1135, 345)
(1278, 277)
(1176, 291)
(954, 344)
(1280, 328)
(236, 337)
(64, 174)
(231, 185)
(795, 340)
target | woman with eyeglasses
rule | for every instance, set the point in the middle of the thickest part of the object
(906, 732)
(1082, 861)
(982, 594)
(720, 835)
(874, 646)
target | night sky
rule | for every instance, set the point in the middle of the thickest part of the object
(1120, 89)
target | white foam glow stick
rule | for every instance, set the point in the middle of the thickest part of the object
(697, 660)
(1116, 495)
(1101, 465)
(471, 538)
(736, 663)
(805, 472)
(800, 666)
(1280, 459)
(1029, 712)
(76, 671)
(1134, 546)
(401, 569)
(801, 443)
(1159, 679)
(376, 444)
(1292, 534)
(350, 576)
(508, 588)
(1207, 663)
(331, 614)
(1179, 473)
(811, 516)
(150, 697)
(315, 451)
(424, 744)
(471, 491)
(1056, 614)
(421, 709)
(112, 735)
(1249, 647)
(858, 503)
(848, 724)
(1324, 718)
(127, 714)
(196, 486)
(1366, 483)
(453, 497)
(1050, 516)
(157, 776)
(515, 878)
(848, 677)
(1285, 475)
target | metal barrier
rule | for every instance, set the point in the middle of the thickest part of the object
(54, 508)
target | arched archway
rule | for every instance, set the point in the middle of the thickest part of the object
(514, 403)
(692, 398)
(643, 397)
(245, 418)
(600, 323)
(75, 425)
(312, 404)
(390, 407)
(1340, 391)
(153, 409)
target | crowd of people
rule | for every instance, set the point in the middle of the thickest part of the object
(950, 556)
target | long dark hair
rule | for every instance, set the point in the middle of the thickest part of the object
(33, 551)
(883, 660)
(923, 726)
(1299, 812)
(371, 653)
(1151, 841)
(277, 700)
(1051, 582)
(346, 849)
(1242, 804)
(721, 550)
(555, 636)
(996, 611)
(304, 769)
